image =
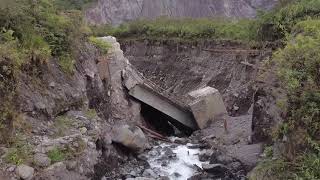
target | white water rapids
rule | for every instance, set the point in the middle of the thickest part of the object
(179, 165)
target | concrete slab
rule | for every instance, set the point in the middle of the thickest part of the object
(164, 105)
(206, 105)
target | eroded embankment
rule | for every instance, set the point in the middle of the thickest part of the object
(230, 67)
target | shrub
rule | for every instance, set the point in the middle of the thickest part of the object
(66, 62)
(61, 125)
(298, 65)
(20, 152)
(56, 155)
(278, 23)
(91, 113)
(102, 45)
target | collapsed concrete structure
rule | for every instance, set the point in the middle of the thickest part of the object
(206, 105)
(195, 110)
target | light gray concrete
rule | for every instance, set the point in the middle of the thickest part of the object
(164, 105)
(207, 105)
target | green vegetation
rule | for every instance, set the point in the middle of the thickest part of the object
(61, 125)
(268, 151)
(271, 169)
(181, 29)
(20, 152)
(297, 64)
(280, 22)
(35, 31)
(100, 43)
(66, 62)
(74, 4)
(32, 33)
(91, 113)
(56, 155)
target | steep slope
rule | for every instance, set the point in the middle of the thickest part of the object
(117, 12)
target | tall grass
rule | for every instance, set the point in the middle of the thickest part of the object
(188, 29)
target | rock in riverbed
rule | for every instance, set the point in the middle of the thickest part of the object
(131, 137)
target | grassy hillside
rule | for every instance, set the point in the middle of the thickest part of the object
(33, 32)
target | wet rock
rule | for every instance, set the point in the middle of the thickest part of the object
(25, 172)
(235, 166)
(149, 173)
(205, 155)
(220, 158)
(176, 175)
(216, 169)
(143, 157)
(163, 178)
(164, 163)
(131, 137)
(41, 160)
(197, 146)
(169, 153)
(140, 178)
(181, 141)
(248, 155)
(202, 176)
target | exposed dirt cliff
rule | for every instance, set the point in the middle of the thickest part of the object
(179, 68)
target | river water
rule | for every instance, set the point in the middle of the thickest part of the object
(178, 162)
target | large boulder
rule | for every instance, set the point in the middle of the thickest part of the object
(216, 169)
(129, 136)
(24, 172)
(206, 105)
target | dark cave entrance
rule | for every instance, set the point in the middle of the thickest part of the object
(163, 123)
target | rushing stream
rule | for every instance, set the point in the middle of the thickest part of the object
(178, 162)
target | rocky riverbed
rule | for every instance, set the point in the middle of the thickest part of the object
(174, 161)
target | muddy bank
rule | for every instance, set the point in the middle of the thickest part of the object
(230, 67)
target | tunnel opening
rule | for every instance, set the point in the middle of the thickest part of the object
(163, 123)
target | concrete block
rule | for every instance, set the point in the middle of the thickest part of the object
(206, 105)
(130, 78)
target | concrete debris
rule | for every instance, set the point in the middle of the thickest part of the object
(207, 105)
(131, 137)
